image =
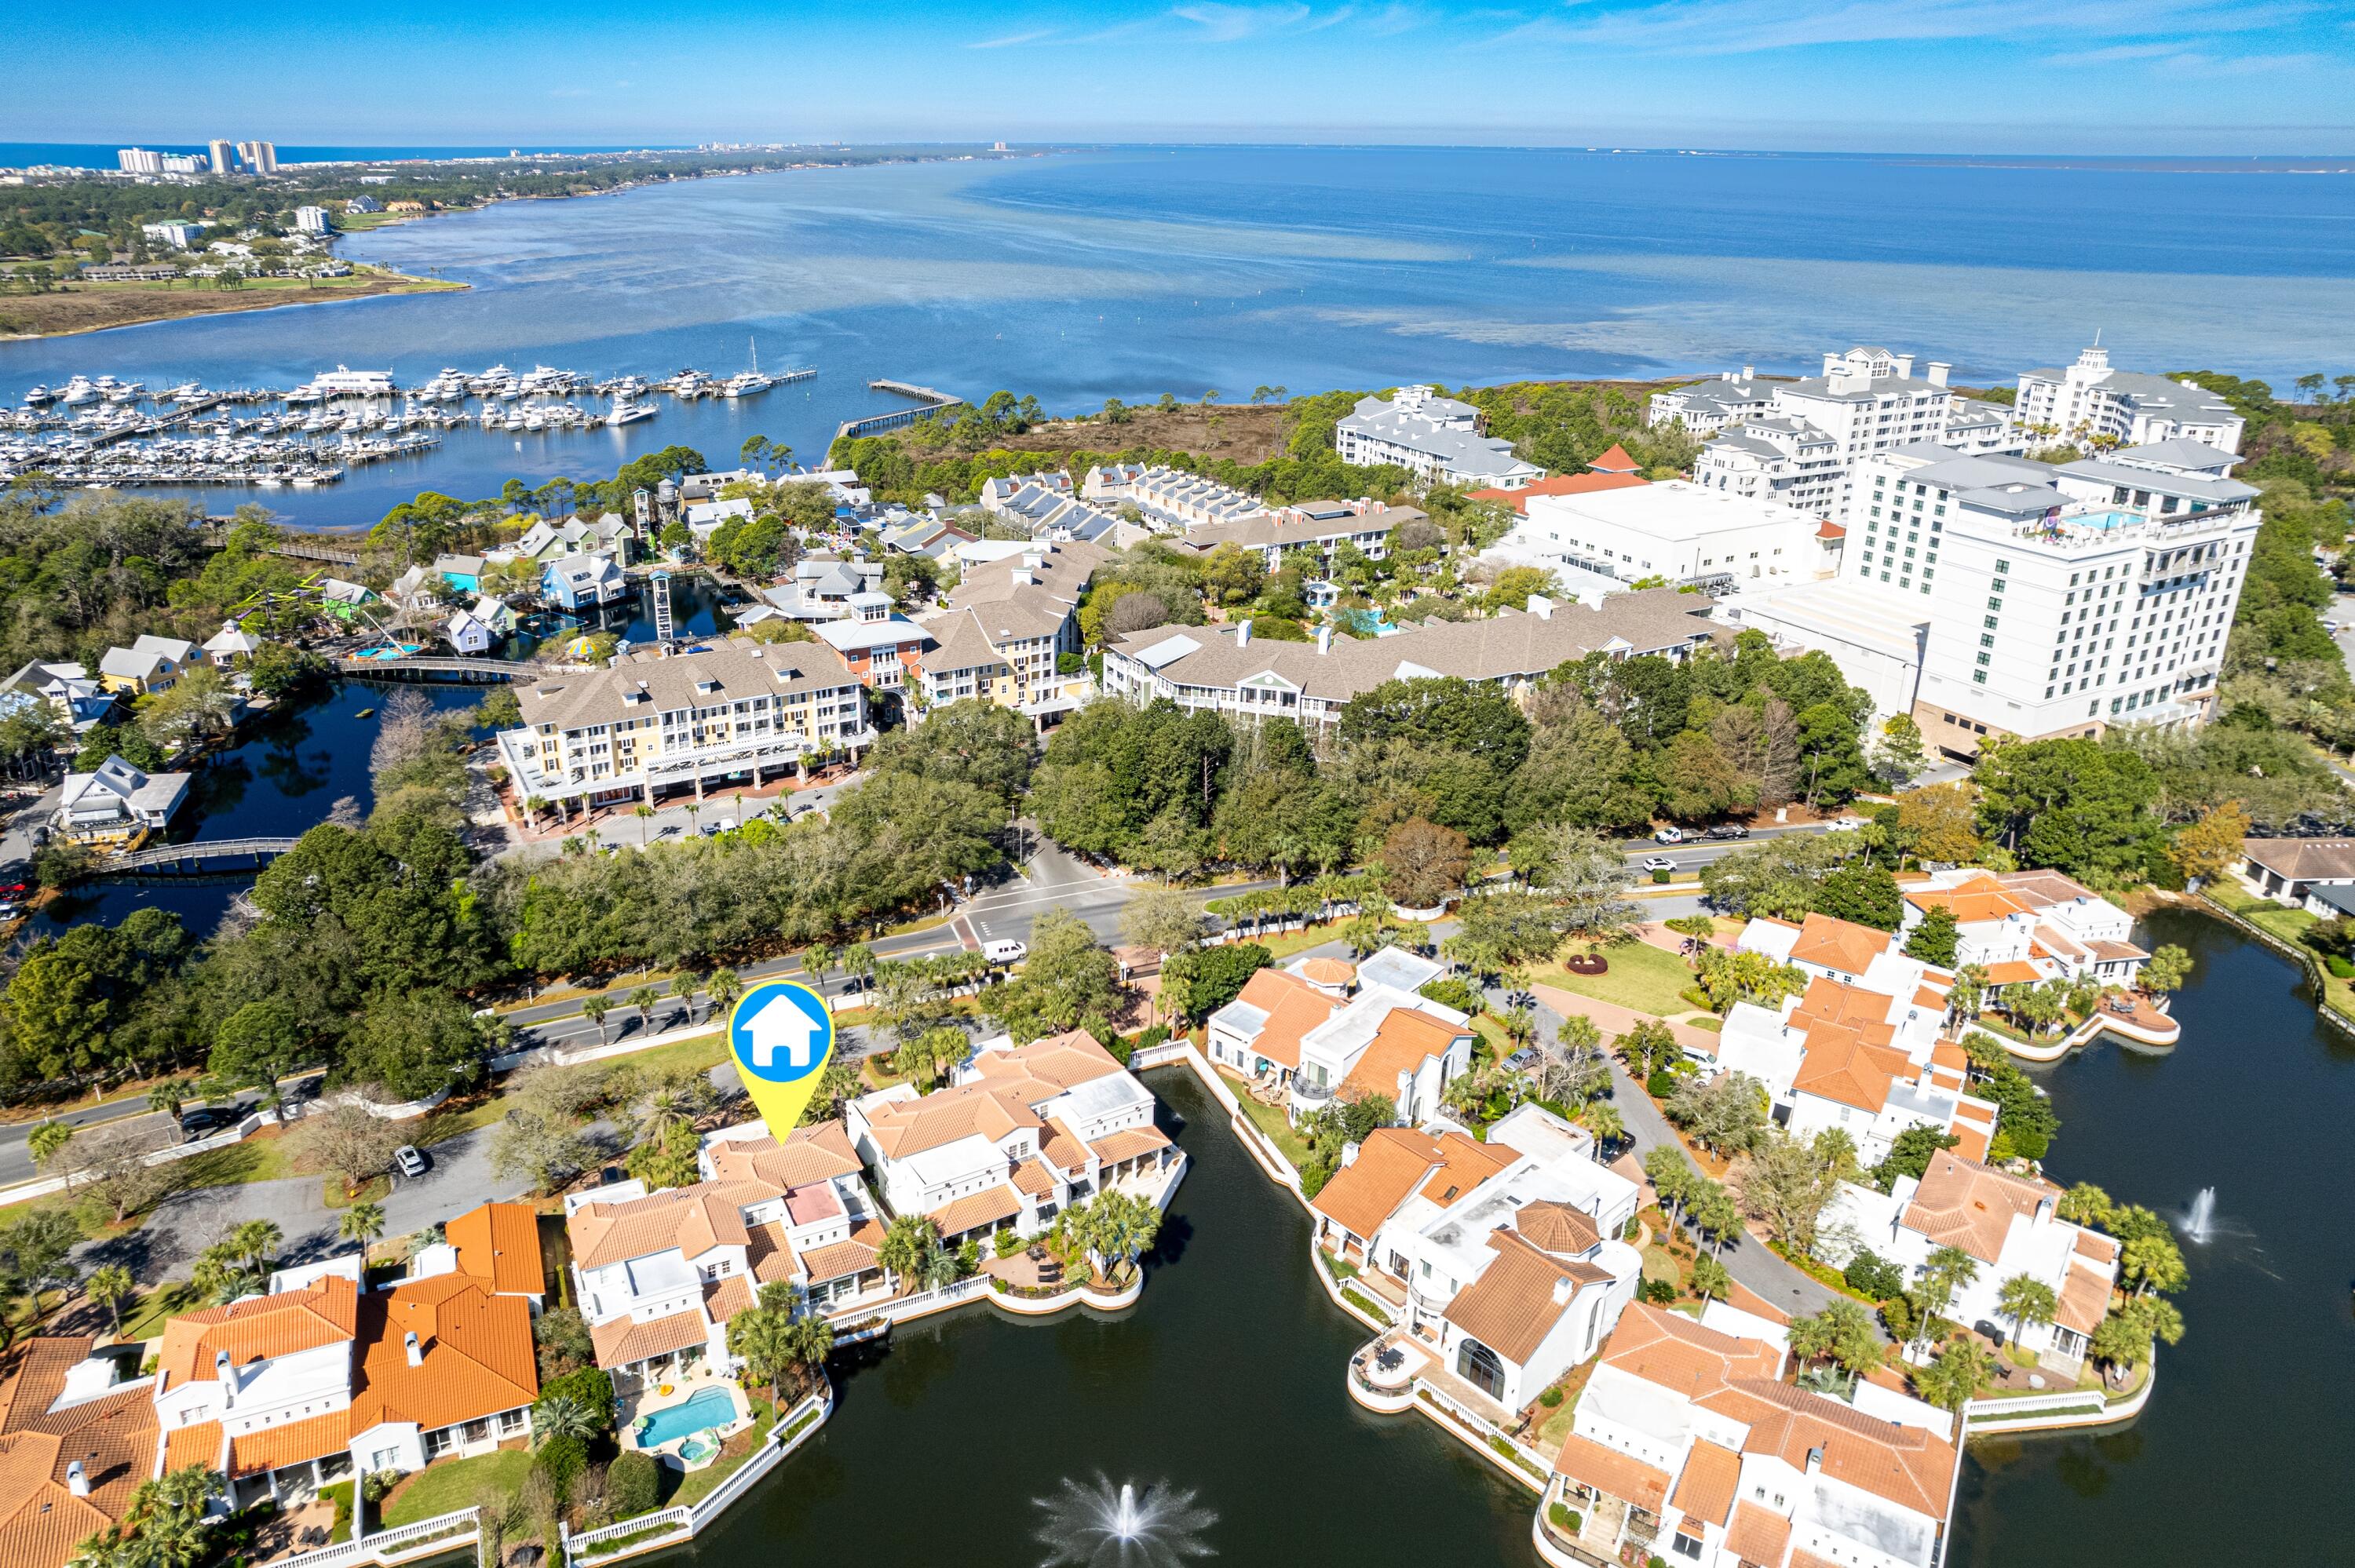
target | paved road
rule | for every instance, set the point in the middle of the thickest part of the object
(17, 1159)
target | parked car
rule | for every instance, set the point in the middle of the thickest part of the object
(1668, 835)
(410, 1161)
(1729, 831)
(1844, 824)
(1658, 862)
(1004, 952)
(205, 1120)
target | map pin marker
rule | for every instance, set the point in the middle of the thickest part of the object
(782, 1037)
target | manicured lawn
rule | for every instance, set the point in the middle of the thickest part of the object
(1282, 944)
(449, 1484)
(1641, 976)
(1276, 1125)
(144, 1318)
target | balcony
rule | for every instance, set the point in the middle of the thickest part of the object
(1310, 1096)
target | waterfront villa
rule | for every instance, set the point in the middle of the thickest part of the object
(2079, 930)
(117, 801)
(575, 583)
(653, 721)
(1022, 1133)
(149, 665)
(77, 1439)
(1311, 530)
(2008, 1225)
(233, 644)
(1500, 1260)
(1823, 947)
(467, 634)
(1687, 1446)
(1319, 1029)
(2317, 875)
(658, 1274)
(1865, 1062)
(545, 540)
(286, 1392)
(822, 587)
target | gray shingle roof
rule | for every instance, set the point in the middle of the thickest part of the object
(736, 670)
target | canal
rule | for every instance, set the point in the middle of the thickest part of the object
(1226, 1378)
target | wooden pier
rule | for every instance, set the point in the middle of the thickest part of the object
(930, 400)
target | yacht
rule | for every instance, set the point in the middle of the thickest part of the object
(38, 396)
(746, 383)
(628, 413)
(79, 391)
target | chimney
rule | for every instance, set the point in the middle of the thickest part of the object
(1903, 365)
(416, 1352)
(1815, 1461)
(1938, 368)
(1541, 607)
(1022, 578)
(1564, 1288)
(1831, 363)
(77, 1482)
(1348, 1154)
(226, 1375)
(1242, 633)
(1750, 373)
(1324, 639)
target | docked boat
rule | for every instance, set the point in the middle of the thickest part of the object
(625, 412)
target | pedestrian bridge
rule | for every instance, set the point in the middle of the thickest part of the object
(451, 670)
(206, 857)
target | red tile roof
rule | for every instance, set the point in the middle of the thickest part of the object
(500, 1243)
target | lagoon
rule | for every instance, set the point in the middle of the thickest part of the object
(1226, 1378)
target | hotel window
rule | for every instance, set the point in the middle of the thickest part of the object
(1979, 676)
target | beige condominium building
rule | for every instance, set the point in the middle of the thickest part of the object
(737, 712)
(1004, 629)
(1224, 669)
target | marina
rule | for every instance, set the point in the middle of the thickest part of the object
(103, 432)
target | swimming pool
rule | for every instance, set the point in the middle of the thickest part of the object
(706, 1407)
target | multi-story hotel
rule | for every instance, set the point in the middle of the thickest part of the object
(734, 712)
(1436, 438)
(2089, 402)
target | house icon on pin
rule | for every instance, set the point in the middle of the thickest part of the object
(781, 1027)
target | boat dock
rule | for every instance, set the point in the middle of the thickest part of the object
(931, 400)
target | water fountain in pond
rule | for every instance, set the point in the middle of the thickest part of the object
(2199, 1221)
(1103, 1526)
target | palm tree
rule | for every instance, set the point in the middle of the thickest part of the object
(595, 1008)
(48, 1140)
(816, 958)
(1947, 1270)
(2026, 1299)
(1720, 1216)
(257, 1242)
(858, 961)
(1126, 1226)
(684, 986)
(764, 1338)
(362, 1223)
(644, 813)
(908, 1244)
(1955, 1379)
(1710, 1279)
(111, 1285)
(642, 1001)
(564, 1414)
(724, 987)
(1603, 1119)
(166, 1095)
(2120, 1344)
(809, 1340)
(532, 807)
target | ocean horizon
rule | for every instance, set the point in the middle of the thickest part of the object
(1137, 271)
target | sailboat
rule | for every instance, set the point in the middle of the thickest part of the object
(749, 381)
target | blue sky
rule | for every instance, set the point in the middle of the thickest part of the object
(2100, 76)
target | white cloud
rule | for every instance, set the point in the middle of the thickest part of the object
(1035, 35)
(1224, 23)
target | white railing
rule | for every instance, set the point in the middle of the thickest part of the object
(441, 1533)
(1463, 1415)
(667, 1527)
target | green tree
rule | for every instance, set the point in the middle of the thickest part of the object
(362, 1224)
(1961, 1370)
(2026, 1299)
(1934, 939)
(1068, 980)
(2166, 972)
(111, 1285)
(2072, 804)
(1864, 892)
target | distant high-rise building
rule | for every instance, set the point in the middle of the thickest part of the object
(139, 161)
(223, 160)
(259, 157)
(184, 162)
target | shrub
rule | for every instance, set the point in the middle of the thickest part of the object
(563, 1458)
(633, 1484)
(1550, 1398)
(2339, 967)
(1010, 1242)
(1659, 1292)
(593, 1386)
(1449, 990)
(1660, 1084)
(377, 1483)
(1158, 1034)
(1565, 1519)
(1870, 1275)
